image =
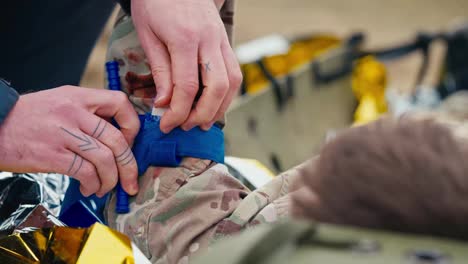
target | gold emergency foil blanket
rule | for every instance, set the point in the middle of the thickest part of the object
(66, 245)
(24, 247)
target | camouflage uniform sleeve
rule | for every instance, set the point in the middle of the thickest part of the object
(182, 211)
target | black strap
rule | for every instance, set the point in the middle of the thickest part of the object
(280, 100)
(335, 65)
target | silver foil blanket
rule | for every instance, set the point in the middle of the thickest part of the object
(30, 200)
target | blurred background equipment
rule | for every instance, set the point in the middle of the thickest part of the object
(369, 81)
(303, 242)
(455, 75)
(383, 21)
(290, 99)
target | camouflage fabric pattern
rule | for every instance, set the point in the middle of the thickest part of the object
(181, 211)
(184, 210)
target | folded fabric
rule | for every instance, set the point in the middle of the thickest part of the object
(181, 211)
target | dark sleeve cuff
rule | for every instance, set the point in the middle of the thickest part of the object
(125, 4)
(8, 98)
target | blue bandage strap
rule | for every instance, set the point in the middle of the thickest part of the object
(152, 147)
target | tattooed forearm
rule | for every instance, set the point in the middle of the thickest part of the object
(125, 158)
(87, 143)
(75, 166)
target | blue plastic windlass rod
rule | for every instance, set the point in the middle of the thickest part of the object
(113, 78)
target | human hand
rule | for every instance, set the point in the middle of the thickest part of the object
(65, 130)
(177, 37)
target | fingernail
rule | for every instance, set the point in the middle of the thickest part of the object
(164, 127)
(100, 195)
(207, 127)
(187, 127)
(84, 192)
(134, 189)
(165, 130)
(159, 100)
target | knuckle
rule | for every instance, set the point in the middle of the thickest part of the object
(205, 119)
(204, 116)
(236, 79)
(188, 33)
(211, 28)
(88, 172)
(110, 183)
(159, 69)
(176, 118)
(65, 108)
(107, 157)
(89, 177)
(188, 87)
(116, 139)
(219, 89)
(120, 98)
(104, 161)
(183, 45)
(107, 183)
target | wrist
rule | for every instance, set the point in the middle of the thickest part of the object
(8, 99)
(15, 154)
(9, 153)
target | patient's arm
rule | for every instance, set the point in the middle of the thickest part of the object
(406, 174)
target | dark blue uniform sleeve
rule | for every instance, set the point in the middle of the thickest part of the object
(125, 4)
(8, 98)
